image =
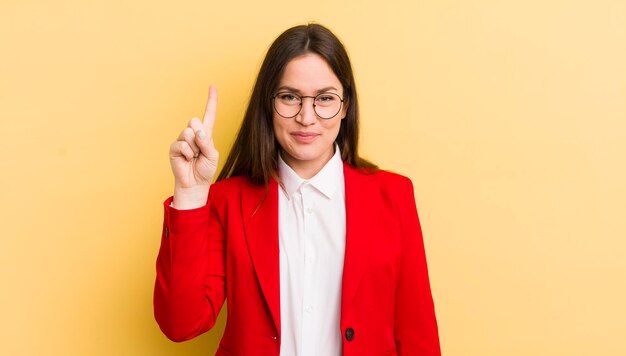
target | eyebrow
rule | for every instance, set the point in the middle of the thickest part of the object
(295, 90)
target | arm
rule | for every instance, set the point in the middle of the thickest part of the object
(416, 331)
(190, 285)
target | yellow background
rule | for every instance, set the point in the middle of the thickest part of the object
(509, 116)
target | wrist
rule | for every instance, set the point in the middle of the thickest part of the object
(190, 198)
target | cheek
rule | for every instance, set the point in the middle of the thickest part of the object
(332, 129)
(279, 130)
(277, 127)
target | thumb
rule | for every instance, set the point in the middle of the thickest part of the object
(203, 142)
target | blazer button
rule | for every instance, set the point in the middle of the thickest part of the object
(349, 334)
(167, 232)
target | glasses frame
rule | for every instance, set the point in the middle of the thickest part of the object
(302, 97)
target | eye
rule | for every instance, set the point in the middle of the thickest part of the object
(287, 97)
(326, 98)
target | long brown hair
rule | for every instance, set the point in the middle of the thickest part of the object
(255, 151)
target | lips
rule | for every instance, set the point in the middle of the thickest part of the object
(304, 137)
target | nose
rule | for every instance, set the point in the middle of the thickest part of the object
(307, 115)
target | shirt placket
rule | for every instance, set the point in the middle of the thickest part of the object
(308, 293)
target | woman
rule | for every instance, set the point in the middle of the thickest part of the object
(317, 251)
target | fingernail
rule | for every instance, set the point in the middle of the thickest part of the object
(201, 135)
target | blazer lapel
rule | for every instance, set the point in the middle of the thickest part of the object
(261, 229)
(362, 202)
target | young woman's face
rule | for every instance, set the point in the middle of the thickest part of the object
(307, 140)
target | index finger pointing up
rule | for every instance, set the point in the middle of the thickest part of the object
(211, 108)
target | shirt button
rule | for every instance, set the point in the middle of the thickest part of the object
(308, 309)
(349, 334)
(309, 210)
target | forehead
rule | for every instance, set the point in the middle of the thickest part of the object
(309, 73)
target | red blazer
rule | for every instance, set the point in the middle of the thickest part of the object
(229, 249)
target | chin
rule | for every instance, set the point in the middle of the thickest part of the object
(301, 152)
(304, 155)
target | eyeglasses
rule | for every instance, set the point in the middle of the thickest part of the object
(325, 105)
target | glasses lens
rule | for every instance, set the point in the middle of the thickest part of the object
(327, 105)
(287, 104)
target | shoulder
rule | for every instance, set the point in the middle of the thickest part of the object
(389, 181)
(398, 194)
(396, 187)
(229, 184)
(395, 191)
(393, 179)
(228, 188)
(234, 187)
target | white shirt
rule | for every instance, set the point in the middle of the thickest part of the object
(312, 235)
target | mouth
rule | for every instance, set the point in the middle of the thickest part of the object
(304, 137)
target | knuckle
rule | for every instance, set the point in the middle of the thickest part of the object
(176, 145)
(182, 145)
(188, 134)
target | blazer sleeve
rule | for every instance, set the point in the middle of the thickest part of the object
(416, 331)
(190, 288)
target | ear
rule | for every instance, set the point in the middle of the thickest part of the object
(344, 108)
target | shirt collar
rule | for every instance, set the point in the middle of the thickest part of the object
(327, 180)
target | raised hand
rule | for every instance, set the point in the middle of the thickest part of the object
(194, 159)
